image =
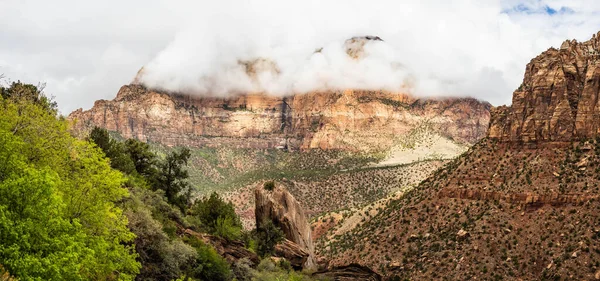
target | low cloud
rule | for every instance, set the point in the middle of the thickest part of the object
(449, 48)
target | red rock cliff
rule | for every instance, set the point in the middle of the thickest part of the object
(350, 119)
(558, 99)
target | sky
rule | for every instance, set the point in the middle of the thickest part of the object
(86, 50)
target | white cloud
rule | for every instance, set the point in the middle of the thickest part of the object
(86, 51)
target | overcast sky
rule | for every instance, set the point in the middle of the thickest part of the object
(86, 50)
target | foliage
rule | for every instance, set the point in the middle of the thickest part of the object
(143, 158)
(218, 217)
(267, 235)
(135, 158)
(58, 218)
(267, 270)
(162, 258)
(116, 151)
(172, 178)
(270, 185)
(29, 94)
(209, 265)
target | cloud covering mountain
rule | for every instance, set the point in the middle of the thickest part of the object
(86, 51)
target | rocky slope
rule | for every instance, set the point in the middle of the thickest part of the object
(352, 119)
(522, 204)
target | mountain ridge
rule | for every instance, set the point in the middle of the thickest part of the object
(350, 120)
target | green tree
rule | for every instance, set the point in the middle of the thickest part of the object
(172, 178)
(116, 151)
(143, 158)
(268, 235)
(58, 218)
(30, 94)
(209, 264)
(218, 217)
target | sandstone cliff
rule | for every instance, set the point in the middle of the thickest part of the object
(558, 99)
(279, 206)
(352, 119)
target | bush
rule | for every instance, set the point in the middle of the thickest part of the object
(209, 264)
(270, 185)
(242, 270)
(218, 217)
(59, 212)
(267, 235)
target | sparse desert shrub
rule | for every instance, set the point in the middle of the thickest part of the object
(270, 185)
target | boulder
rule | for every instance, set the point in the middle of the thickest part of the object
(292, 252)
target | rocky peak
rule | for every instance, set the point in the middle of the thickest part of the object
(558, 99)
(280, 207)
(355, 45)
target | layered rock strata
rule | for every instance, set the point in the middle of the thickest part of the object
(354, 120)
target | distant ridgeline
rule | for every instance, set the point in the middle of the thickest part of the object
(355, 120)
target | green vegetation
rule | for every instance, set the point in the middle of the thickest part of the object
(58, 195)
(269, 185)
(218, 218)
(268, 235)
(224, 169)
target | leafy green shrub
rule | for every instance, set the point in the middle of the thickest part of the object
(218, 217)
(209, 265)
(58, 214)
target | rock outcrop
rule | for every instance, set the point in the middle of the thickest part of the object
(292, 252)
(354, 120)
(280, 207)
(559, 99)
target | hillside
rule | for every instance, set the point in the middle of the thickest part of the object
(520, 204)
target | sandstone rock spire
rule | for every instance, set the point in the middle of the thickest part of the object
(279, 206)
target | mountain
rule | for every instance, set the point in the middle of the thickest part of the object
(558, 99)
(332, 149)
(521, 204)
(349, 120)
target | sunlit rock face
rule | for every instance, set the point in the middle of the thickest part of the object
(357, 120)
(558, 99)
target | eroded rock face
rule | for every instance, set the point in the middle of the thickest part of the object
(558, 99)
(354, 120)
(280, 207)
